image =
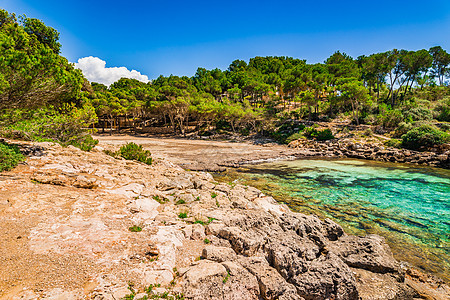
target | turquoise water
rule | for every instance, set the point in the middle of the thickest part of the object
(409, 206)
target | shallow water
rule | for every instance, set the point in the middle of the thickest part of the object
(408, 205)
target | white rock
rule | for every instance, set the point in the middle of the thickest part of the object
(270, 205)
(140, 296)
(121, 292)
(130, 190)
(198, 232)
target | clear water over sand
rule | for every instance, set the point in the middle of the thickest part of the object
(408, 205)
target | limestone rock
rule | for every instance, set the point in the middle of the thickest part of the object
(370, 252)
(140, 296)
(244, 242)
(375, 286)
(218, 254)
(198, 232)
(326, 278)
(121, 292)
(239, 283)
(204, 280)
(272, 285)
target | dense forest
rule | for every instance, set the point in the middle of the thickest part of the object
(43, 97)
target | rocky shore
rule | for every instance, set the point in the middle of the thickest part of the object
(84, 225)
(371, 151)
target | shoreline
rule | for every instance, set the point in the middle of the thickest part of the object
(234, 160)
(84, 204)
(216, 155)
(265, 177)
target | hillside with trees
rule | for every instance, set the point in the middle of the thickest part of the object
(43, 97)
(395, 91)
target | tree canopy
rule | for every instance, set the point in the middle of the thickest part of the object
(32, 73)
(247, 96)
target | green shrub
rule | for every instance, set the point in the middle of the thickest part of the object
(320, 135)
(135, 228)
(445, 126)
(324, 135)
(369, 119)
(417, 114)
(159, 200)
(225, 279)
(443, 110)
(294, 137)
(10, 156)
(390, 118)
(368, 132)
(310, 132)
(65, 125)
(132, 151)
(85, 144)
(180, 201)
(402, 128)
(395, 143)
(182, 215)
(424, 136)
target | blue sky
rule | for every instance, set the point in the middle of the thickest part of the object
(176, 37)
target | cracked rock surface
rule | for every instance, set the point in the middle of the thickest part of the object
(69, 225)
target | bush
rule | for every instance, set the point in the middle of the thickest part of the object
(395, 143)
(288, 132)
(369, 119)
(310, 132)
(424, 136)
(66, 125)
(135, 228)
(390, 118)
(294, 137)
(132, 151)
(324, 135)
(85, 144)
(402, 129)
(443, 111)
(10, 156)
(417, 114)
(320, 135)
(445, 126)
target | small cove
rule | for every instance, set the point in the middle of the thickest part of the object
(407, 204)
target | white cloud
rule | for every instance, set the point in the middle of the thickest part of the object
(94, 69)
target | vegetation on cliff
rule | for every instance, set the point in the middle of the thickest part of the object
(43, 97)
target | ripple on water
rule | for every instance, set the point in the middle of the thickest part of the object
(408, 205)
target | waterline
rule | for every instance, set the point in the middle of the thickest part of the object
(408, 205)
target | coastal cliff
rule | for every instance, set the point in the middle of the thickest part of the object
(84, 225)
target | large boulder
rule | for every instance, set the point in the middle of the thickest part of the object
(369, 252)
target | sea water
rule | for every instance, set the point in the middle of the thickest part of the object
(406, 204)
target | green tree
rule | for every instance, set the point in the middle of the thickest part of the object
(44, 34)
(32, 74)
(441, 63)
(357, 94)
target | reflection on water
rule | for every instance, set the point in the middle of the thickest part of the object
(408, 205)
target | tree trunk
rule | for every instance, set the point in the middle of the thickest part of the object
(355, 112)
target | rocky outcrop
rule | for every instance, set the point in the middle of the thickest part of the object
(92, 226)
(371, 151)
